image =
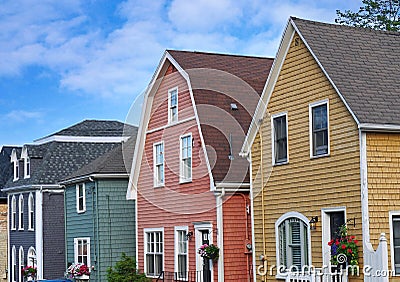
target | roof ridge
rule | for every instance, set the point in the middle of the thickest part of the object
(218, 54)
(336, 25)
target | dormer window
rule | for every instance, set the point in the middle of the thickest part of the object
(16, 170)
(27, 169)
(173, 105)
(27, 162)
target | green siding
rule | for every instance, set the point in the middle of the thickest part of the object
(116, 222)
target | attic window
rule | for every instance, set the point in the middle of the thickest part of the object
(16, 170)
(27, 168)
(234, 107)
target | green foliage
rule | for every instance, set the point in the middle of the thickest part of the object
(125, 271)
(376, 14)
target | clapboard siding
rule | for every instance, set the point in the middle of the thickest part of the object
(174, 204)
(304, 185)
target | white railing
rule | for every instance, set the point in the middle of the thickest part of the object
(376, 261)
(317, 275)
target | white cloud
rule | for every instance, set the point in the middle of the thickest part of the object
(60, 36)
(22, 116)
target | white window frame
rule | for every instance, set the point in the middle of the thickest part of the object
(77, 241)
(16, 170)
(78, 210)
(310, 116)
(282, 219)
(153, 230)
(13, 264)
(178, 229)
(183, 178)
(391, 215)
(31, 257)
(158, 183)
(27, 167)
(21, 262)
(21, 207)
(273, 117)
(13, 213)
(31, 212)
(170, 117)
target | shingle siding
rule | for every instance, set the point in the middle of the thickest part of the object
(53, 235)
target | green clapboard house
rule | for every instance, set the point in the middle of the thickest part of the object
(99, 221)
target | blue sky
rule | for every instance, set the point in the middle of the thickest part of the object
(63, 61)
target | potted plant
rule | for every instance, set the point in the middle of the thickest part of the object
(344, 249)
(78, 272)
(209, 252)
(29, 272)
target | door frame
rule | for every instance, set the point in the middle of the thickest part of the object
(326, 232)
(198, 228)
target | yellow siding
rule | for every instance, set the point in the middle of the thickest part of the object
(383, 155)
(305, 185)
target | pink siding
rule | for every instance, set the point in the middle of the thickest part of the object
(237, 259)
(174, 204)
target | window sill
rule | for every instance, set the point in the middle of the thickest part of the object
(159, 186)
(281, 163)
(184, 181)
(31, 229)
(82, 211)
(21, 229)
(320, 156)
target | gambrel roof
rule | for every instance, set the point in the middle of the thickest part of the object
(217, 83)
(361, 64)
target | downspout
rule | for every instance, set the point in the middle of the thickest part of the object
(65, 227)
(247, 236)
(96, 233)
(220, 237)
(262, 196)
(94, 221)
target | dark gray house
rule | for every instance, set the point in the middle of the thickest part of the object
(36, 199)
(99, 221)
(6, 172)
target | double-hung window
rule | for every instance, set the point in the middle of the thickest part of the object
(154, 252)
(181, 253)
(186, 158)
(13, 213)
(173, 105)
(319, 125)
(21, 263)
(292, 243)
(158, 152)
(14, 269)
(280, 140)
(31, 212)
(16, 170)
(395, 243)
(21, 212)
(82, 250)
(80, 198)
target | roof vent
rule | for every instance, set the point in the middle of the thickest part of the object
(234, 107)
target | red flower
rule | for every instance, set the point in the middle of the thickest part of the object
(344, 247)
(349, 251)
(355, 241)
(337, 242)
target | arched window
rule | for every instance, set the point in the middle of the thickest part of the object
(14, 264)
(31, 257)
(21, 212)
(292, 241)
(31, 212)
(13, 213)
(21, 262)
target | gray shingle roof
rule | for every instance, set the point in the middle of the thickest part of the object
(59, 160)
(6, 167)
(104, 128)
(116, 161)
(364, 65)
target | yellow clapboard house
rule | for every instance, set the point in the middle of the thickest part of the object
(324, 147)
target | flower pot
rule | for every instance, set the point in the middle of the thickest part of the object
(82, 278)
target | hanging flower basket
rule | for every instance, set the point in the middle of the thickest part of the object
(344, 249)
(209, 252)
(29, 272)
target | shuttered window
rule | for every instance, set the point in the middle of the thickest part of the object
(293, 243)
